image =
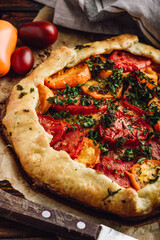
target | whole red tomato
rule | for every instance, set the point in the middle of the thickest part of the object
(22, 60)
(39, 34)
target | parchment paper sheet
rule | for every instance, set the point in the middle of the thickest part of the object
(145, 230)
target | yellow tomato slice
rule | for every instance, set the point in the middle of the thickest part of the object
(155, 101)
(152, 75)
(44, 94)
(145, 172)
(72, 76)
(95, 85)
(90, 154)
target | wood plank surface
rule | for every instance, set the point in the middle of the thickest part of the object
(18, 12)
(19, 5)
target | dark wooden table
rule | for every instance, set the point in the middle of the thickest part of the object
(18, 12)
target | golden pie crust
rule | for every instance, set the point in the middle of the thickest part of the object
(55, 169)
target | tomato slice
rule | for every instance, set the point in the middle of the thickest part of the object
(132, 107)
(72, 76)
(44, 94)
(115, 170)
(54, 127)
(80, 109)
(90, 154)
(67, 137)
(95, 94)
(145, 172)
(155, 147)
(128, 61)
(72, 141)
(152, 75)
(155, 102)
(134, 129)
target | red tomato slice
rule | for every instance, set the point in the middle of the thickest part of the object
(126, 126)
(128, 61)
(54, 127)
(69, 138)
(72, 141)
(155, 146)
(115, 170)
(80, 109)
(134, 108)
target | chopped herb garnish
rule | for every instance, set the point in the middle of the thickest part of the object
(50, 100)
(122, 175)
(111, 193)
(104, 147)
(25, 110)
(120, 142)
(153, 180)
(22, 94)
(79, 47)
(64, 69)
(96, 64)
(107, 120)
(19, 88)
(141, 160)
(129, 154)
(137, 93)
(31, 90)
(72, 128)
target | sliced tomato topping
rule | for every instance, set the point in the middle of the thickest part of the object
(155, 103)
(97, 95)
(44, 94)
(54, 127)
(67, 137)
(145, 172)
(72, 141)
(90, 154)
(155, 147)
(132, 107)
(115, 170)
(134, 129)
(71, 76)
(128, 61)
(80, 109)
(152, 78)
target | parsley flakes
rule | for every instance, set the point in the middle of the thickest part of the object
(19, 88)
(80, 47)
(110, 193)
(22, 94)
